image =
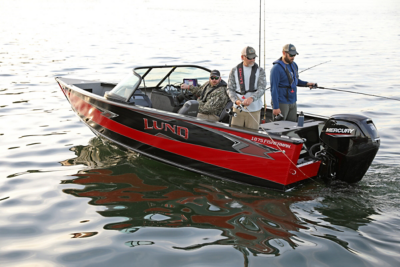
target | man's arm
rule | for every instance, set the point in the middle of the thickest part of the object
(275, 79)
(300, 83)
(261, 85)
(193, 89)
(231, 89)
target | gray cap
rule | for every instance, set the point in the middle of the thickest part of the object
(291, 49)
(215, 73)
(249, 51)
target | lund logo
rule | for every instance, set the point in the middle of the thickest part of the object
(240, 76)
(178, 130)
(339, 130)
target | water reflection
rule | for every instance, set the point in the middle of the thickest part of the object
(146, 193)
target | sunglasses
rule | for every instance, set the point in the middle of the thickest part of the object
(291, 55)
(250, 58)
(214, 78)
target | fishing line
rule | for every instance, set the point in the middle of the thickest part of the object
(346, 91)
(265, 105)
(259, 38)
(315, 66)
(273, 141)
(265, 102)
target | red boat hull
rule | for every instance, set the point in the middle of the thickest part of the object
(211, 149)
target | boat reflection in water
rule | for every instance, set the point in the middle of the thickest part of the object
(147, 193)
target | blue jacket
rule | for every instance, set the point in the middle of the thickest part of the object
(282, 91)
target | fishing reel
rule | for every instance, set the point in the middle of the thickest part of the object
(230, 112)
(278, 117)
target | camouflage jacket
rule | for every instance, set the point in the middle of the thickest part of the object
(214, 102)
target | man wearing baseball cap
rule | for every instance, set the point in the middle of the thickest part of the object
(246, 86)
(284, 81)
(212, 96)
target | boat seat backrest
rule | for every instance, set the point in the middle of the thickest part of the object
(191, 108)
(164, 101)
(140, 99)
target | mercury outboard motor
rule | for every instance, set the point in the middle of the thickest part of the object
(353, 141)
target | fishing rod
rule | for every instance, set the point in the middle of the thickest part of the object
(259, 38)
(303, 71)
(346, 91)
(315, 66)
(265, 102)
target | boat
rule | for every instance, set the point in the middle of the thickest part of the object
(148, 113)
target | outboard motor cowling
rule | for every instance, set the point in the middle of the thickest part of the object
(354, 141)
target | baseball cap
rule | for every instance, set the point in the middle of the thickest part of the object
(291, 49)
(215, 73)
(249, 51)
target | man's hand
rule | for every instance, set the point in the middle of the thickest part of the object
(248, 101)
(185, 86)
(311, 85)
(276, 111)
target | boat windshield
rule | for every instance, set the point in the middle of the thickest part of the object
(126, 87)
(158, 77)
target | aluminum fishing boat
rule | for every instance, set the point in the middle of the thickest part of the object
(148, 113)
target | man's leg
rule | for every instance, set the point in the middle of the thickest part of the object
(292, 115)
(252, 120)
(239, 119)
(207, 117)
(284, 110)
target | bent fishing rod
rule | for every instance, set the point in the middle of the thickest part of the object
(352, 92)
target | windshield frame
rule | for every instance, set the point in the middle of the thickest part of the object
(148, 69)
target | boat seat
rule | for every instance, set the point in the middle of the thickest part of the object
(164, 101)
(190, 108)
(140, 100)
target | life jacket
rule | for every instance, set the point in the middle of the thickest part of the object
(243, 93)
(293, 79)
(240, 76)
(204, 96)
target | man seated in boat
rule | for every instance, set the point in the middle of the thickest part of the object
(212, 96)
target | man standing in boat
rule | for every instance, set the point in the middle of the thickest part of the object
(284, 81)
(212, 96)
(246, 86)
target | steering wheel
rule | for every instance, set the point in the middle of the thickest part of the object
(178, 87)
(171, 88)
(184, 91)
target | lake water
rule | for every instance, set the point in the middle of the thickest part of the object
(69, 199)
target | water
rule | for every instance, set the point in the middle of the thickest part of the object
(68, 199)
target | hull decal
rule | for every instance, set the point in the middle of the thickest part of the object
(170, 143)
